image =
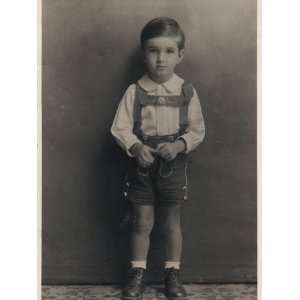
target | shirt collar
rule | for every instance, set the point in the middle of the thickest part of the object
(172, 85)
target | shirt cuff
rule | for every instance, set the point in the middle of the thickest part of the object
(184, 142)
(188, 143)
(130, 143)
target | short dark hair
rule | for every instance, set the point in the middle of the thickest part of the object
(162, 26)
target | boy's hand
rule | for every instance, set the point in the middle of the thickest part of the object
(144, 155)
(169, 151)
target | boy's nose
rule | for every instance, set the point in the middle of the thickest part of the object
(161, 57)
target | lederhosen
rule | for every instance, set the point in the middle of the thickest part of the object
(165, 181)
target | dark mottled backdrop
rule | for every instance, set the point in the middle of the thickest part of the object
(89, 57)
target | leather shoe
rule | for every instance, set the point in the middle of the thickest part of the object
(133, 289)
(173, 288)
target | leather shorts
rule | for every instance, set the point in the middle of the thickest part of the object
(163, 183)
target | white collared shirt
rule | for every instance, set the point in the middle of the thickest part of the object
(157, 120)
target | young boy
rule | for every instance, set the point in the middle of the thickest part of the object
(158, 122)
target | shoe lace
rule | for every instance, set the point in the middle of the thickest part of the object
(172, 276)
(135, 274)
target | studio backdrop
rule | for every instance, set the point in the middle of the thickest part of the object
(89, 57)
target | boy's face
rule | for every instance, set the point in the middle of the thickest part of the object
(161, 56)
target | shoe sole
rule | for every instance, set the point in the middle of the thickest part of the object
(133, 298)
(176, 298)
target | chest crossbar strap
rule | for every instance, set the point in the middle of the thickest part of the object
(181, 101)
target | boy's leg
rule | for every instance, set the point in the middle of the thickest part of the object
(171, 226)
(172, 193)
(143, 221)
(171, 229)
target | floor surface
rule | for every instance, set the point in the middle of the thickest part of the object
(152, 292)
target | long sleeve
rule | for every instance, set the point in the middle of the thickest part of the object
(196, 130)
(157, 120)
(122, 127)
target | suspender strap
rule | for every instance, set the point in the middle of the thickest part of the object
(187, 92)
(182, 101)
(137, 110)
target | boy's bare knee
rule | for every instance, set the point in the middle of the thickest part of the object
(170, 228)
(143, 219)
(142, 226)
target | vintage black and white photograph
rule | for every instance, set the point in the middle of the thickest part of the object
(149, 149)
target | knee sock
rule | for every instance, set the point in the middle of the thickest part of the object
(138, 264)
(172, 264)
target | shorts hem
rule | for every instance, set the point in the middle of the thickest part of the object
(140, 202)
(159, 202)
(173, 202)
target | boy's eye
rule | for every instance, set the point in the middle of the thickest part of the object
(170, 50)
(152, 50)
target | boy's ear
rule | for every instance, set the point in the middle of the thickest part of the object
(181, 54)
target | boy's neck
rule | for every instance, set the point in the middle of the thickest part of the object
(160, 80)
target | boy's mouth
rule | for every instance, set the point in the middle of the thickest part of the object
(161, 67)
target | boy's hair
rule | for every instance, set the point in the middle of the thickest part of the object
(162, 26)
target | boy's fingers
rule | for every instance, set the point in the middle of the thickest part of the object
(151, 150)
(161, 146)
(164, 150)
(149, 153)
(149, 161)
(141, 163)
(164, 154)
(148, 157)
(144, 163)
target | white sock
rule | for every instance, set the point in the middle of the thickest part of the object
(172, 264)
(138, 264)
